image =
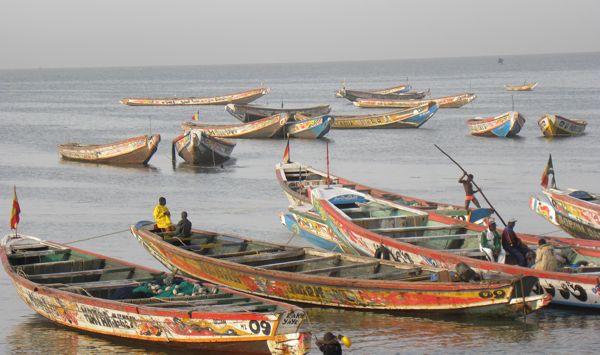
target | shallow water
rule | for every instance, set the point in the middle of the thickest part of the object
(65, 201)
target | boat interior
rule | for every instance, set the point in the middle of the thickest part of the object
(585, 196)
(68, 270)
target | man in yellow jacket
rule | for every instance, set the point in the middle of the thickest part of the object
(162, 216)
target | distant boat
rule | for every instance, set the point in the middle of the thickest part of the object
(500, 61)
(454, 101)
(558, 126)
(198, 148)
(236, 98)
(524, 87)
(249, 113)
(136, 150)
(402, 88)
(506, 125)
(407, 118)
(267, 127)
(353, 95)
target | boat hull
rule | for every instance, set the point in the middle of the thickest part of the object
(525, 87)
(399, 89)
(137, 150)
(505, 125)
(579, 218)
(443, 102)
(198, 148)
(353, 95)
(558, 126)
(249, 113)
(267, 127)
(236, 98)
(310, 128)
(410, 118)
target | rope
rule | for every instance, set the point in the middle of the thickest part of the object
(554, 231)
(96, 237)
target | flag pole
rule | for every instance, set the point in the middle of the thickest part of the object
(327, 160)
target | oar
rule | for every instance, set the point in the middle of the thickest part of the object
(474, 183)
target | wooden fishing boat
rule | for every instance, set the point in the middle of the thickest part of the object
(267, 127)
(330, 279)
(86, 291)
(249, 113)
(137, 150)
(353, 95)
(524, 87)
(558, 126)
(310, 128)
(407, 118)
(454, 101)
(398, 89)
(361, 224)
(198, 148)
(508, 124)
(243, 97)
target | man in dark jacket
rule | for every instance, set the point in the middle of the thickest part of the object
(513, 245)
(329, 345)
(183, 229)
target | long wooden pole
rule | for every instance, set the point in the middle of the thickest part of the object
(474, 183)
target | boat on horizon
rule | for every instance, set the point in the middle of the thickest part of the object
(353, 95)
(398, 89)
(523, 87)
(243, 97)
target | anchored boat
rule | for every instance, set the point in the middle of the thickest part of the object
(86, 291)
(524, 87)
(243, 97)
(249, 113)
(330, 279)
(137, 150)
(454, 101)
(267, 127)
(398, 89)
(506, 125)
(559, 126)
(408, 118)
(353, 95)
(198, 148)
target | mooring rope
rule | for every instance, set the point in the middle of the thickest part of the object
(96, 237)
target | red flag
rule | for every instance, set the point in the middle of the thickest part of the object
(286, 152)
(195, 116)
(16, 211)
(547, 172)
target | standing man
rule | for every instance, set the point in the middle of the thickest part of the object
(467, 182)
(162, 216)
(513, 245)
(491, 244)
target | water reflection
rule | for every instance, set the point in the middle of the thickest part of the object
(219, 168)
(109, 167)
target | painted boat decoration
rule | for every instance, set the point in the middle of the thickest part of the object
(249, 113)
(454, 101)
(90, 292)
(407, 118)
(398, 89)
(445, 242)
(508, 124)
(524, 87)
(353, 95)
(136, 150)
(198, 148)
(267, 127)
(243, 97)
(332, 279)
(310, 128)
(559, 126)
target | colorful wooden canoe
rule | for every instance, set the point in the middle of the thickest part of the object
(398, 89)
(407, 118)
(508, 124)
(559, 126)
(332, 279)
(267, 127)
(454, 101)
(524, 87)
(446, 242)
(198, 148)
(309, 128)
(249, 113)
(243, 97)
(90, 292)
(353, 95)
(137, 150)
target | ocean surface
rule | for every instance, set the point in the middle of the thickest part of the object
(66, 201)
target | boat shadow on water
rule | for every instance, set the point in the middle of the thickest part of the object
(107, 167)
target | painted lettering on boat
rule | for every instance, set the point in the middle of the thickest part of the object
(105, 318)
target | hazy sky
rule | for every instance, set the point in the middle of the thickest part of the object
(80, 33)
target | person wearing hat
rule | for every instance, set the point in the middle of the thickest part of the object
(513, 245)
(490, 243)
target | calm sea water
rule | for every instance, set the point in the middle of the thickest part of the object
(65, 201)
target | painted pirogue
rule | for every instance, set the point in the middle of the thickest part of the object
(91, 292)
(249, 113)
(442, 240)
(398, 89)
(331, 279)
(267, 127)
(454, 101)
(309, 128)
(559, 126)
(243, 97)
(198, 148)
(508, 124)
(524, 87)
(137, 150)
(407, 118)
(353, 95)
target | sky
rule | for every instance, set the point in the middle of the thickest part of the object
(101, 33)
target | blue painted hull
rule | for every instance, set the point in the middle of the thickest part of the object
(290, 222)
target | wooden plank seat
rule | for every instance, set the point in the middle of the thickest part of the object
(417, 228)
(389, 274)
(466, 252)
(382, 217)
(241, 253)
(25, 267)
(102, 285)
(284, 254)
(436, 237)
(286, 264)
(208, 301)
(224, 307)
(339, 268)
(31, 254)
(143, 301)
(415, 278)
(80, 273)
(31, 246)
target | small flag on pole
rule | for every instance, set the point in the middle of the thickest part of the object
(286, 152)
(195, 116)
(549, 170)
(16, 211)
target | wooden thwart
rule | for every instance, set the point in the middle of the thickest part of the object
(30, 254)
(339, 268)
(285, 254)
(436, 237)
(286, 264)
(80, 273)
(416, 228)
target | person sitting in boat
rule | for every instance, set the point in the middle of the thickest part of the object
(183, 229)
(545, 258)
(513, 245)
(467, 181)
(490, 243)
(162, 216)
(329, 345)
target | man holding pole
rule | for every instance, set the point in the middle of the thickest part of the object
(467, 181)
